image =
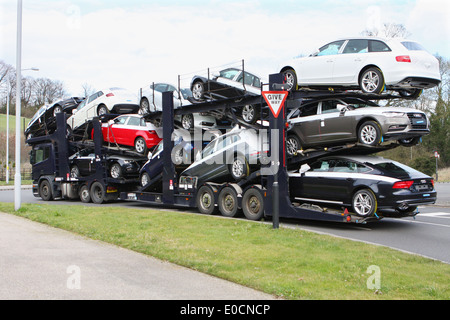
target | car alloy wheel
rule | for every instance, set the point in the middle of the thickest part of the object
(290, 79)
(145, 107)
(74, 172)
(198, 90)
(292, 145)
(187, 121)
(250, 114)
(145, 179)
(364, 203)
(372, 81)
(239, 168)
(140, 145)
(102, 110)
(56, 110)
(369, 133)
(116, 171)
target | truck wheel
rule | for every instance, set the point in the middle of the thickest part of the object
(97, 193)
(85, 196)
(45, 190)
(228, 202)
(253, 204)
(205, 200)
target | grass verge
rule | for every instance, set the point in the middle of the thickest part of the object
(292, 264)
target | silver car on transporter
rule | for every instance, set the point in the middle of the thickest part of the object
(320, 123)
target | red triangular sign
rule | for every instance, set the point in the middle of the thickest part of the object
(275, 100)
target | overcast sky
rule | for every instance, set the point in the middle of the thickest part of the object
(131, 43)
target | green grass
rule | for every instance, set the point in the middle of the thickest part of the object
(291, 264)
(12, 123)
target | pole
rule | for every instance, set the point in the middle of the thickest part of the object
(7, 134)
(17, 177)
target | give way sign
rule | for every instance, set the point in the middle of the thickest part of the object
(275, 100)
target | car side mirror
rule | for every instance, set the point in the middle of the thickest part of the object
(215, 75)
(198, 156)
(304, 168)
(315, 53)
(74, 111)
(150, 155)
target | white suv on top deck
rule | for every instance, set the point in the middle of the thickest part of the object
(369, 63)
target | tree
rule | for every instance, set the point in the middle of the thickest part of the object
(389, 30)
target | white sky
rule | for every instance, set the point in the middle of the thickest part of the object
(131, 43)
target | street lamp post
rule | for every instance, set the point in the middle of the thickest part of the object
(17, 177)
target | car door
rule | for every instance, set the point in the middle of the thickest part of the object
(91, 109)
(318, 69)
(349, 63)
(334, 125)
(306, 124)
(118, 130)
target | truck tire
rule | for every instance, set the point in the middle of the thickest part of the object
(205, 200)
(45, 190)
(253, 204)
(98, 193)
(85, 195)
(228, 202)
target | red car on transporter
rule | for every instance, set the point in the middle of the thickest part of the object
(132, 130)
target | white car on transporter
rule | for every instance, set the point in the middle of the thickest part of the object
(112, 100)
(370, 64)
(151, 101)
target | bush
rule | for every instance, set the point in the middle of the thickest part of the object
(426, 165)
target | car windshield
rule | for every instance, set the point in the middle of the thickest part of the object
(39, 113)
(229, 73)
(413, 46)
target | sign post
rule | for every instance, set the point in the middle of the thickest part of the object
(275, 100)
(437, 156)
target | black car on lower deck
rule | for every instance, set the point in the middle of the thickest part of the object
(83, 163)
(44, 120)
(365, 185)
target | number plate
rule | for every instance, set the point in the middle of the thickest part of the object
(422, 187)
(131, 196)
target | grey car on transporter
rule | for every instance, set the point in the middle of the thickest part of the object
(233, 155)
(319, 123)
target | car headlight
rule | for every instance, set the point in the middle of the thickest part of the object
(392, 114)
(128, 161)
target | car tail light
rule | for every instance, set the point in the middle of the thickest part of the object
(402, 185)
(152, 131)
(432, 182)
(403, 58)
(110, 95)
